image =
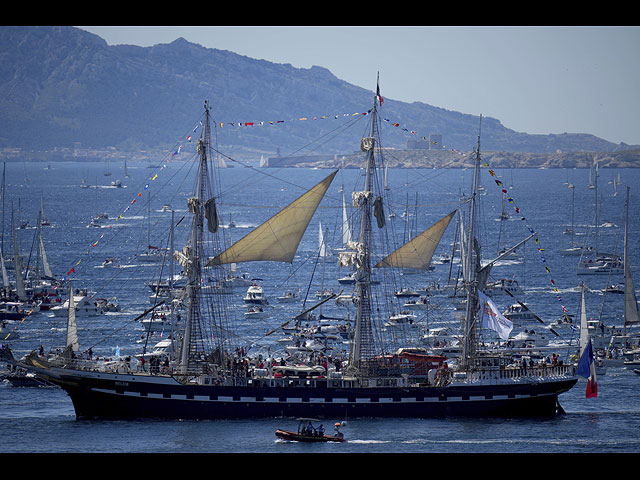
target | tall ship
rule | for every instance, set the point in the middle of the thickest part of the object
(208, 377)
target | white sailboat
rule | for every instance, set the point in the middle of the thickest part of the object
(603, 263)
(151, 253)
(573, 248)
(584, 332)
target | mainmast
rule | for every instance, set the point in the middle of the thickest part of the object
(362, 345)
(472, 266)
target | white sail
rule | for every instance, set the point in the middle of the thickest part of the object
(418, 252)
(346, 230)
(584, 332)
(321, 245)
(45, 262)
(72, 330)
(278, 238)
(20, 290)
(631, 315)
(5, 277)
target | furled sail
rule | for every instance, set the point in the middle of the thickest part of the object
(418, 252)
(278, 238)
(72, 330)
(631, 314)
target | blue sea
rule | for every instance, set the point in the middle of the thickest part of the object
(42, 420)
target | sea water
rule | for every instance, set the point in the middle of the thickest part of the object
(42, 419)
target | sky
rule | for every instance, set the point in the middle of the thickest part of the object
(536, 80)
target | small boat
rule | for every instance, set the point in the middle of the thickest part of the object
(518, 312)
(325, 293)
(308, 433)
(614, 289)
(288, 297)
(255, 311)
(502, 286)
(419, 304)
(108, 305)
(406, 292)
(351, 280)
(99, 220)
(255, 294)
(445, 258)
(111, 262)
(13, 311)
(84, 307)
(604, 264)
(401, 318)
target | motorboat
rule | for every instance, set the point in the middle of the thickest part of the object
(83, 305)
(160, 349)
(13, 310)
(518, 312)
(404, 317)
(419, 304)
(288, 297)
(406, 292)
(255, 295)
(308, 433)
(108, 305)
(614, 289)
(351, 279)
(255, 311)
(601, 265)
(503, 286)
(99, 220)
(110, 262)
(325, 293)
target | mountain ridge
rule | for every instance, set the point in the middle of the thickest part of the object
(65, 88)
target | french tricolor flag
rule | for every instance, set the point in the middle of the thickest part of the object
(587, 369)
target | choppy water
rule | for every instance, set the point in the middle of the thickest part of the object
(42, 419)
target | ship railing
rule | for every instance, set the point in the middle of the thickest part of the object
(536, 371)
(104, 365)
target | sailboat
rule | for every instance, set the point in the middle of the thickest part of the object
(631, 311)
(601, 368)
(152, 253)
(322, 254)
(573, 248)
(209, 380)
(604, 263)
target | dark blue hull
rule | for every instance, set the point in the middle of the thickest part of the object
(128, 398)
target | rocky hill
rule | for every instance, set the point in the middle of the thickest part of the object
(64, 88)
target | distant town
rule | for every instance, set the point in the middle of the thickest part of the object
(417, 154)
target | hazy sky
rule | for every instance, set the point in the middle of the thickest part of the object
(533, 79)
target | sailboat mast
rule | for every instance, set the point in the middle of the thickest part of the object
(631, 314)
(471, 261)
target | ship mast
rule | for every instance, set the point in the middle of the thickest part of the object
(192, 344)
(362, 345)
(472, 266)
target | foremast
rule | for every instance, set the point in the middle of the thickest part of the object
(193, 349)
(471, 269)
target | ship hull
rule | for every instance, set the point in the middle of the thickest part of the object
(99, 395)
